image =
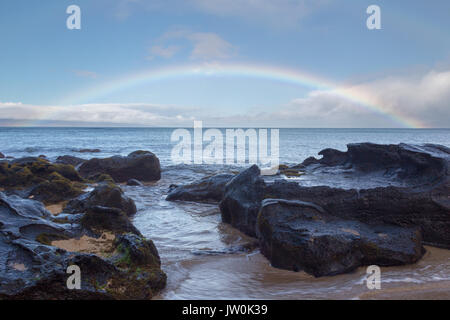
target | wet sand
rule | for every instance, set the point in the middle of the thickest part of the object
(250, 276)
(99, 246)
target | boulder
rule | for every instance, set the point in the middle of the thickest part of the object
(297, 235)
(74, 161)
(88, 150)
(242, 200)
(410, 188)
(104, 195)
(107, 218)
(141, 165)
(209, 189)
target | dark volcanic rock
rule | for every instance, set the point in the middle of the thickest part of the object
(393, 205)
(2, 155)
(88, 150)
(422, 200)
(242, 200)
(402, 164)
(207, 189)
(141, 165)
(134, 182)
(416, 190)
(298, 235)
(104, 195)
(74, 161)
(32, 267)
(107, 218)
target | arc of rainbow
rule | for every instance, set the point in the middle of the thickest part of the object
(244, 70)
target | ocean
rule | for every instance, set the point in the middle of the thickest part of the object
(295, 144)
(198, 250)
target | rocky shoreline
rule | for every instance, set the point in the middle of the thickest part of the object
(93, 231)
(73, 212)
(326, 230)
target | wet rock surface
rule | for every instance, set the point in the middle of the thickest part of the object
(242, 200)
(208, 189)
(413, 204)
(93, 232)
(141, 165)
(32, 266)
(74, 161)
(104, 195)
(298, 235)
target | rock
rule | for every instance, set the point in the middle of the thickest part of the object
(32, 266)
(2, 156)
(402, 164)
(141, 165)
(55, 190)
(41, 179)
(74, 161)
(107, 218)
(88, 150)
(209, 189)
(140, 252)
(297, 235)
(104, 195)
(134, 182)
(101, 177)
(242, 200)
(412, 189)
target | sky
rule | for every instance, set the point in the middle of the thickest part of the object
(228, 63)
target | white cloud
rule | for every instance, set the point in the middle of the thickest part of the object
(205, 46)
(163, 51)
(132, 113)
(423, 97)
(210, 46)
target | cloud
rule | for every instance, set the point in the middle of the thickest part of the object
(110, 113)
(425, 97)
(209, 46)
(205, 46)
(163, 51)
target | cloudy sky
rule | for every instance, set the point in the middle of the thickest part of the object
(253, 63)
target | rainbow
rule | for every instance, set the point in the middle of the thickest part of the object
(295, 77)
